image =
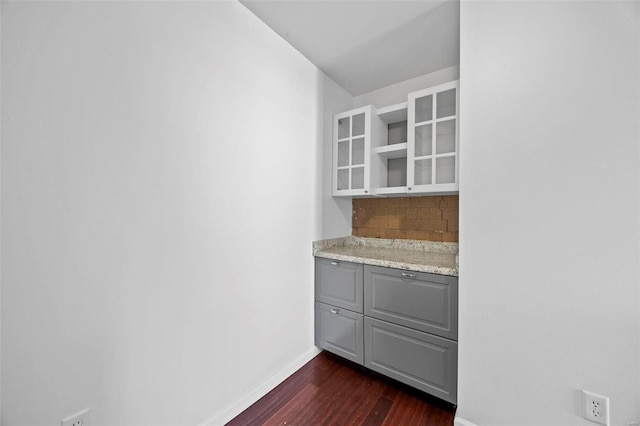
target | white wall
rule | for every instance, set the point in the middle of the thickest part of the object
(160, 166)
(549, 211)
(397, 93)
(336, 211)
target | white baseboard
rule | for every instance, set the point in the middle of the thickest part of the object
(250, 397)
(462, 422)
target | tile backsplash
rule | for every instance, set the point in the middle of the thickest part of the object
(413, 218)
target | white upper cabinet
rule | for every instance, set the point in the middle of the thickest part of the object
(407, 148)
(354, 132)
(432, 146)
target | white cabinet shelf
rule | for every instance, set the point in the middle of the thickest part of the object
(391, 190)
(398, 150)
(392, 156)
(393, 113)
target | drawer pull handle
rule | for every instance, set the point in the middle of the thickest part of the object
(335, 263)
(408, 275)
(335, 311)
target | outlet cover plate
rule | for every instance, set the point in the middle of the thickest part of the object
(596, 408)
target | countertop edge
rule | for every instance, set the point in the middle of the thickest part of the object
(414, 245)
(452, 272)
(329, 243)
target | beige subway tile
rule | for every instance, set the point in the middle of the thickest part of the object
(429, 213)
(432, 201)
(449, 201)
(450, 237)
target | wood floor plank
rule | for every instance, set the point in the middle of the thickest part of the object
(438, 416)
(337, 397)
(344, 409)
(363, 404)
(276, 398)
(332, 391)
(318, 370)
(405, 410)
(287, 413)
(325, 393)
(378, 412)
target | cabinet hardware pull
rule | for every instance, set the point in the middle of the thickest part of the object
(335, 311)
(335, 263)
(408, 275)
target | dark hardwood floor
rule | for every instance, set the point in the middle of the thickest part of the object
(331, 391)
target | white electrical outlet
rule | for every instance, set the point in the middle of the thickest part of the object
(79, 419)
(596, 408)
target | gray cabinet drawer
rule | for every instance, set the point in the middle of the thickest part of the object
(421, 360)
(339, 283)
(339, 331)
(426, 302)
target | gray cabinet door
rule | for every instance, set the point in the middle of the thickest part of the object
(426, 302)
(421, 360)
(340, 331)
(339, 283)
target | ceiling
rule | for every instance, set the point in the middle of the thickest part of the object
(366, 45)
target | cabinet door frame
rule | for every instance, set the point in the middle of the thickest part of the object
(390, 359)
(348, 278)
(366, 190)
(436, 297)
(343, 324)
(442, 188)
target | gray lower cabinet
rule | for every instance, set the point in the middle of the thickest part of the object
(419, 359)
(339, 283)
(339, 323)
(340, 331)
(402, 324)
(426, 302)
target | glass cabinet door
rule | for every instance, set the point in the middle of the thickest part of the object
(351, 152)
(433, 140)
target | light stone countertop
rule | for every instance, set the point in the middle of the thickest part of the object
(412, 255)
